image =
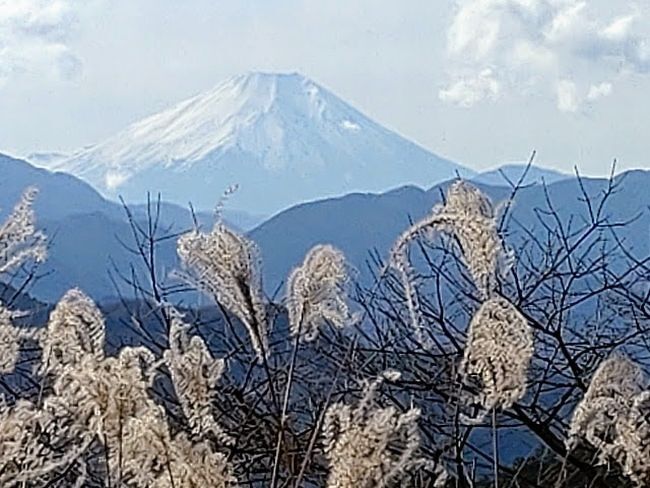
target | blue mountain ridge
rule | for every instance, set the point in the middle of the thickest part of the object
(87, 231)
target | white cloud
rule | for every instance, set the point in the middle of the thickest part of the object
(567, 96)
(599, 91)
(566, 22)
(619, 28)
(555, 47)
(468, 91)
(115, 179)
(34, 37)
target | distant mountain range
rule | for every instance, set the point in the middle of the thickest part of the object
(362, 223)
(508, 174)
(88, 232)
(282, 138)
(62, 195)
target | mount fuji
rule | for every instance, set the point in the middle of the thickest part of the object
(282, 138)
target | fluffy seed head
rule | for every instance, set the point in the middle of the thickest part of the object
(10, 339)
(368, 446)
(146, 447)
(614, 417)
(103, 394)
(9, 345)
(469, 217)
(19, 240)
(195, 374)
(29, 446)
(76, 329)
(634, 440)
(195, 465)
(616, 381)
(226, 265)
(316, 292)
(497, 355)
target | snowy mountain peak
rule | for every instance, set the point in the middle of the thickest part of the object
(256, 112)
(260, 92)
(252, 129)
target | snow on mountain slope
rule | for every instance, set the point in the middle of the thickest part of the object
(46, 159)
(282, 138)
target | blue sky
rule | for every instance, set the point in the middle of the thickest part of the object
(478, 81)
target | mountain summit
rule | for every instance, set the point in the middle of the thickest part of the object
(281, 137)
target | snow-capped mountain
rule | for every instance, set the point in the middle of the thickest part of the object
(281, 137)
